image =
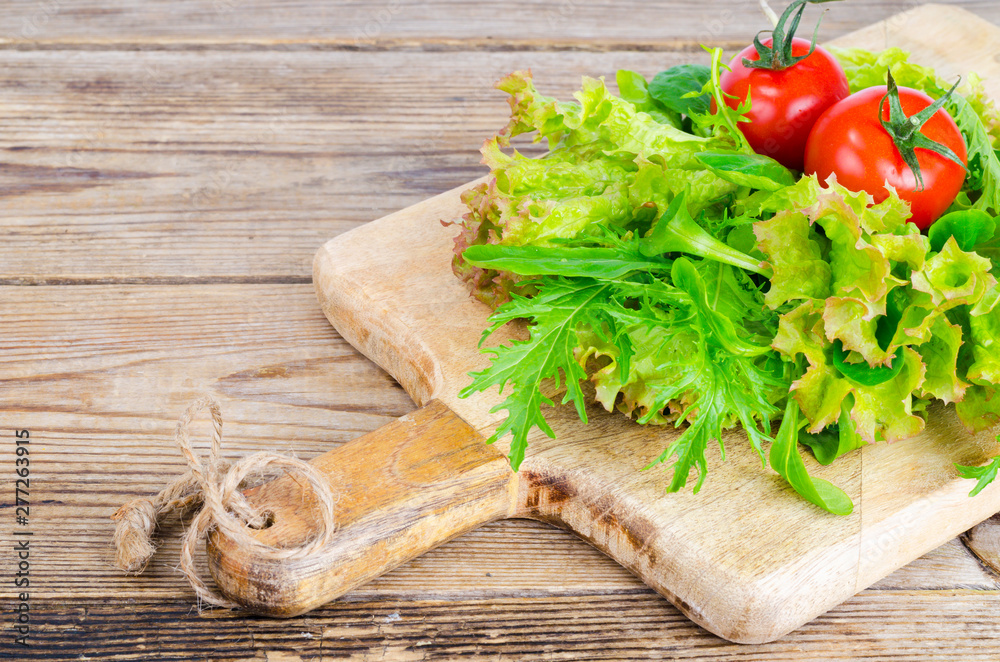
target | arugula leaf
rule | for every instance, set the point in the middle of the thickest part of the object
(596, 262)
(722, 329)
(665, 347)
(556, 312)
(785, 459)
(677, 232)
(653, 253)
(724, 119)
(832, 442)
(983, 475)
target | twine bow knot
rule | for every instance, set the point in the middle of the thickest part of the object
(217, 488)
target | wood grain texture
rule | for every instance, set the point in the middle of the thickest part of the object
(186, 166)
(195, 279)
(875, 625)
(573, 24)
(101, 399)
(400, 491)
(744, 559)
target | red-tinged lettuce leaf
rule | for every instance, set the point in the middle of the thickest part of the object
(885, 411)
(859, 269)
(610, 167)
(851, 322)
(820, 390)
(905, 246)
(881, 411)
(914, 326)
(980, 408)
(531, 111)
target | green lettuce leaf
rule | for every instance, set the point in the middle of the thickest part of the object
(785, 459)
(633, 88)
(835, 441)
(611, 165)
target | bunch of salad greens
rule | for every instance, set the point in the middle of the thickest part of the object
(698, 284)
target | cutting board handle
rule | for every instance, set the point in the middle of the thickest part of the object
(401, 490)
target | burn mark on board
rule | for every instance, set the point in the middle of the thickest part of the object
(556, 500)
(545, 490)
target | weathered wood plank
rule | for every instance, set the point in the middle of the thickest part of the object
(94, 190)
(99, 375)
(130, 166)
(588, 24)
(984, 541)
(875, 625)
(152, 166)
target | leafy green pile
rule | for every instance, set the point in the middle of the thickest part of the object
(697, 284)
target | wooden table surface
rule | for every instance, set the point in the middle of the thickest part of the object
(167, 171)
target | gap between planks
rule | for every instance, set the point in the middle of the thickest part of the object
(43, 281)
(479, 45)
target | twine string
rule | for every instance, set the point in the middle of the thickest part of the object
(214, 489)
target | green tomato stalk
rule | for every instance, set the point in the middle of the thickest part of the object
(778, 55)
(905, 131)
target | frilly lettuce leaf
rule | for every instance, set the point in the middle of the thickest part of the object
(795, 256)
(940, 357)
(954, 277)
(694, 283)
(883, 411)
(611, 164)
(984, 332)
(868, 69)
(866, 283)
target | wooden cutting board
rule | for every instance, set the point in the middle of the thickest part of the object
(746, 558)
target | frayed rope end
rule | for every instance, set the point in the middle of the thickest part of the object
(135, 523)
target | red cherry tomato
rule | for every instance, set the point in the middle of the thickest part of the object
(784, 104)
(850, 142)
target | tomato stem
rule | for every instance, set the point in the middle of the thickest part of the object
(905, 131)
(768, 12)
(778, 55)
